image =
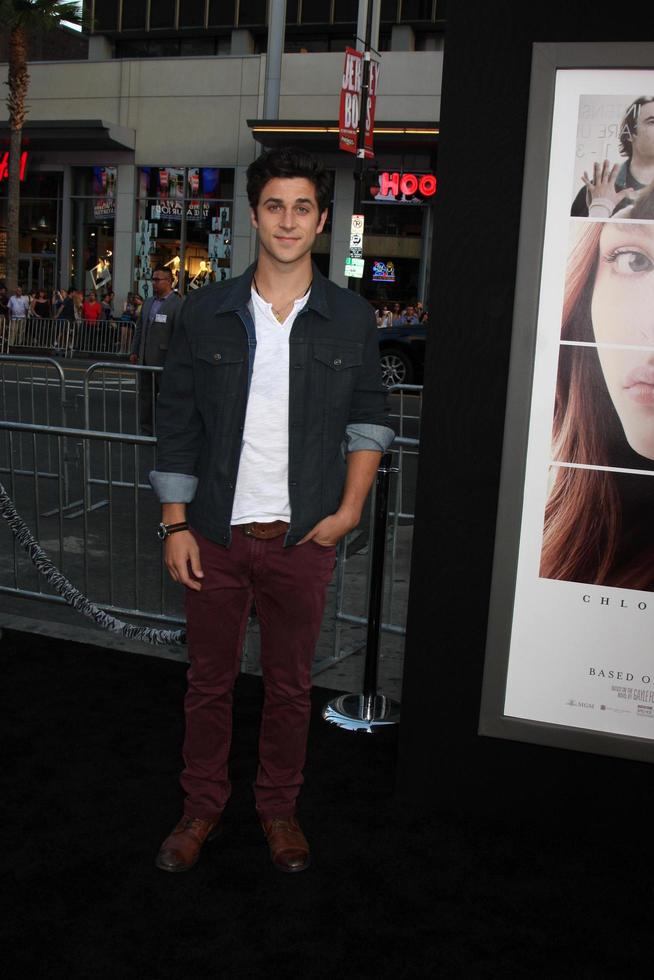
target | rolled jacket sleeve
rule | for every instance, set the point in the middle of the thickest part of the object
(365, 435)
(173, 488)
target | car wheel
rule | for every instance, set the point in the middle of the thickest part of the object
(396, 367)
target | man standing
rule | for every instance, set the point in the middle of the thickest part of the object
(151, 340)
(408, 318)
(272, 422)
(18, 309)
(611, 188)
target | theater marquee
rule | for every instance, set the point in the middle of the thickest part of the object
(570, 650)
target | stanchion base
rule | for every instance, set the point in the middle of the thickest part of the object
(362, 712)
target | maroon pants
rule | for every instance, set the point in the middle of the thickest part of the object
(289, 587)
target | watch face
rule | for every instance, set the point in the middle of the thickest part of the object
(162, 532)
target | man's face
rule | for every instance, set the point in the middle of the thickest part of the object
(410, 311)
(642, 141)
(161, 284)
(19, 291)
(287, 218)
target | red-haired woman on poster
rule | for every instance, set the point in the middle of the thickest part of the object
(598, 522)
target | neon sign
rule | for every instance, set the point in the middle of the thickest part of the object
(4, 165)
(404, 187)
(383, 271)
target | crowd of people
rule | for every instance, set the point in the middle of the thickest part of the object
(22, 312)
(399, 315)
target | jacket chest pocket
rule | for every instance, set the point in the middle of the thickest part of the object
(336, 368)
(219, 371)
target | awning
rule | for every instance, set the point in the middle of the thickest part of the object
(76, 134)
(322, 135)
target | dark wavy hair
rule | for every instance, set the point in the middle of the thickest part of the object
(629, 124)
(286, 162)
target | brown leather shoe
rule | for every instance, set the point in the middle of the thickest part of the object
(289, 849)
(182, 847)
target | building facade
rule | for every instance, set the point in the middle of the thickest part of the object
(136, 156)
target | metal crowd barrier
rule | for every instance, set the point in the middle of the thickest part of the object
(33, 390)
(59, 469)
(110, 393)
(353, 567)
(111, 404)
(112, 555)
(67, 338)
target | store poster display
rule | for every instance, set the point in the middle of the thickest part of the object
(201, 187)
(145, 245)
(104, 192)
(166, 192)
(220, 246)
(581, 651)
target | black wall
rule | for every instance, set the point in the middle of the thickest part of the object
(483, 124)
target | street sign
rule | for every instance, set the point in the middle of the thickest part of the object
(354, 267)
(356, 225)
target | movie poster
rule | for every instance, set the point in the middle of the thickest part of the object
(104, 192)
(201, 187)
(582, 638)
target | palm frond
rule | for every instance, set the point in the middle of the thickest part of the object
(41, 14)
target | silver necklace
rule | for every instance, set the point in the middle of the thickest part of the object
(278, 312)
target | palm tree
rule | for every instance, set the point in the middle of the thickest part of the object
(18, 17)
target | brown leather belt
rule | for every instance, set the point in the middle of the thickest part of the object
(264, 532)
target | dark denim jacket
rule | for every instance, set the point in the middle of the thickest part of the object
(336, 402)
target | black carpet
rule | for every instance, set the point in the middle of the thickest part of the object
(538, 865)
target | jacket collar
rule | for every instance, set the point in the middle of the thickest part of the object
(236, 295)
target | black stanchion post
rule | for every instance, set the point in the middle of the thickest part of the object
(370, 711)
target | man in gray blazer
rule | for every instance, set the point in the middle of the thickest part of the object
(151, 339)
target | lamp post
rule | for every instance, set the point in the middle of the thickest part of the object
(354, 282)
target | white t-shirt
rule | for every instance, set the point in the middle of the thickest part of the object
(262, 482)
(18, 306)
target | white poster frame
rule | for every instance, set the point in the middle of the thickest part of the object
(594, 733)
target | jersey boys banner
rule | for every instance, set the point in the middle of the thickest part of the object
(581, 650)
(348, 120)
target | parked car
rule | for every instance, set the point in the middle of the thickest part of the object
(402, 354)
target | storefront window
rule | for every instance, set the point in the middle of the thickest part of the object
(39, 226)
(395, 232)
(395, 221)
(184, 221)
(93, 210)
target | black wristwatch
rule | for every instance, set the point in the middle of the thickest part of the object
(164, 530)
